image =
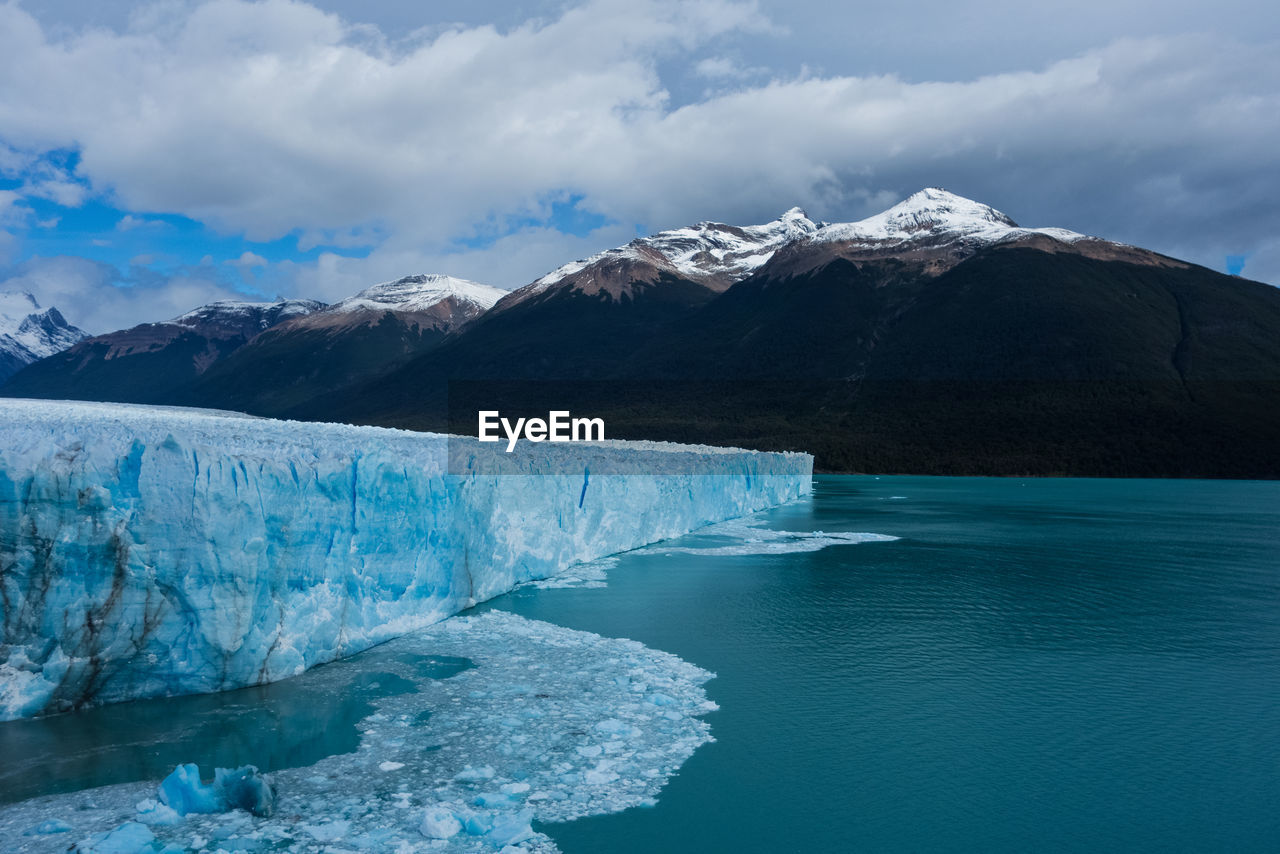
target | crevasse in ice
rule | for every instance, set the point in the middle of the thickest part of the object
(148, 551)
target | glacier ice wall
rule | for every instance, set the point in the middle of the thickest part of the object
(147, 551)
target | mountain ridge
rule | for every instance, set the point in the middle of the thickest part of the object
(938, 336)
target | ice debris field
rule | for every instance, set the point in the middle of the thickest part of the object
(155, 551)
(551, 724)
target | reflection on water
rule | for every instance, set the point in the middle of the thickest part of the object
(286, 724)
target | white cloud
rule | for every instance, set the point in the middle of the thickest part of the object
(504, 264)
(70, 194)
(12, 211)
(12, 161)
(275, 118)
(92, 296)
(129, 222)
(248, 260)
(717, 67)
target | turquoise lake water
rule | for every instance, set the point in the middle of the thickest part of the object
(1041, 665)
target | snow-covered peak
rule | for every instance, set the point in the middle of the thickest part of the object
(241, 312)
(706, 251)
(796, 215)
(29, 333)
(14, 308)
(933, 222)
(419, 293)
(935, 216)
(934, 207)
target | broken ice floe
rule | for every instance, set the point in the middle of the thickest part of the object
(746, 536)
(550, 725)
(749, 537)
(591, 574)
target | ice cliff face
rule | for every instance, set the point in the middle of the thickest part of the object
(148, 551)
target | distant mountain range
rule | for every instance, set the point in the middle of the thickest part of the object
(936, 337)
(152, 362)
(312, 360)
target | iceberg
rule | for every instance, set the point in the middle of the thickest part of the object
(183, 792)
(151, 551)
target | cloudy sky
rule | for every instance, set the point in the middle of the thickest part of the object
(154, 156)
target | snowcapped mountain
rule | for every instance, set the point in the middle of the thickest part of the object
(712, 254)
(934, 215)
(419, 293)
(937, 229)
(364, 334)
(216, 321)
(243, 318)
(431, 302)
(933, 226)
(231, 353)
(28, 333)
(148, 362)
(938, 336)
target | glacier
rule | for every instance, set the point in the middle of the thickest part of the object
(148, 551)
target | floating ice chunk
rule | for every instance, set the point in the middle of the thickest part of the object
(511, 828)
(129, 838)
(495, 800)
(152, 812)
(330, 832)
(601, 775)
(592, 574)
(246, 789)
(469, 774)
(184, 792)
(754, 539)
(613, 726)
(476, 823)
(440, 823)
(390, 766)
(48, 828)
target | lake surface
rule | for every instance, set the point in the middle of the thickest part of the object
(1040, 665)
